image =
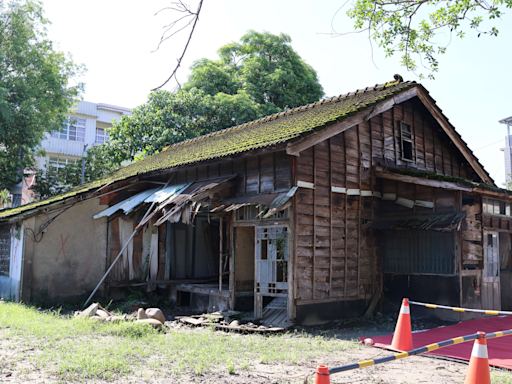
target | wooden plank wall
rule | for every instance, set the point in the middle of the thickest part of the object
(335, 257)
(442, 199)
(472, 242)
(265, 173)
(432, 149)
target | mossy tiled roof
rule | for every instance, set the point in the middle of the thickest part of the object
(265, 132)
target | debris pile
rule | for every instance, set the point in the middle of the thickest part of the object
(151, 316)
(226, 320)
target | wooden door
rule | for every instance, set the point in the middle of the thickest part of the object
(491, 298)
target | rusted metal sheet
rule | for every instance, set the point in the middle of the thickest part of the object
(418, 252)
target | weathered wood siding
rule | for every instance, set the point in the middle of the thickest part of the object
(265, 173)
(471, 228)
(335, 257)
(432, 149)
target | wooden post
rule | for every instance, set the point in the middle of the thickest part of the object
(167, 274)
(359, 209)
(232, 262)
(259, 174)
(314, 222)
(295, 225)
(330, 218)
(394, 136)
(273, 171)
(221, 252)
(109, 237)
(346, 231)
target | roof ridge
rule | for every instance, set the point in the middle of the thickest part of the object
(288, 112)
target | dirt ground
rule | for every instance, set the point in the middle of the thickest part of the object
(411, 370)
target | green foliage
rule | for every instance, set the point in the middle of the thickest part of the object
(52, 182)
(259, 76)
(263, 65)
(167, 118)
(34, 86)
(396, 25)
(4, 197)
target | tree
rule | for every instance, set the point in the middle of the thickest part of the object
(263, 65)
(259, 76)
(397, 25)
(35, 94)
(167, 118)
(52, 181)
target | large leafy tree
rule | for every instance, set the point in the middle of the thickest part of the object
(35, 90)
(263, 65)
(421, 30)
(257, 76)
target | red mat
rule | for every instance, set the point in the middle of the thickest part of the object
(499, 349)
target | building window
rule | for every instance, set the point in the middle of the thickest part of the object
(57, 163)
(101, 135)
(407, 148)
(73, 129)
(5, 251)
(496, 207)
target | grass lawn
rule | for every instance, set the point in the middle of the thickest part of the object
(79, 349)
(58, 348)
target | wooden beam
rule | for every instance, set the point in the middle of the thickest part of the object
(373, 303)
(298, 146)
(221, 250)
(314, 225)
(330, 218)
(167, 274)
(447, 127)
(502, 195)
(420, 181)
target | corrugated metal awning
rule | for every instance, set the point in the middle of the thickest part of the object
(273, 202)
(129, 204)
(433, 222)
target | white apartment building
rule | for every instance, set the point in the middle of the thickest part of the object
(84, 129)
(508, 151)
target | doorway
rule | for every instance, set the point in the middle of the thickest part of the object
(491, 298)
(271, 277)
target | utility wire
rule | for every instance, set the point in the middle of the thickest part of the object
(488, 145)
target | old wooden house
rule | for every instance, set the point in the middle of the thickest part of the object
(307, 215)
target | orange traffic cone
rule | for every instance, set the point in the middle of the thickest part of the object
(402, 338)
(478, 371)
(322, 375)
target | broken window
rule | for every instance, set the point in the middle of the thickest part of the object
(496, 207)
(407, 147)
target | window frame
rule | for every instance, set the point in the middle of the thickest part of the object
(498, 206)
(408, 137)
(72, 130)
(64, 160)
(105, 136)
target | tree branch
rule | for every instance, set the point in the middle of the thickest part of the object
(184, 8)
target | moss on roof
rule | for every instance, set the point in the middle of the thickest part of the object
(265, 132)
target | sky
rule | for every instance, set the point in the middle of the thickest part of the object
(114, 39)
